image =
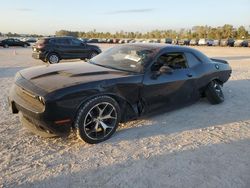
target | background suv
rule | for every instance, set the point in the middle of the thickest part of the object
(53, 49)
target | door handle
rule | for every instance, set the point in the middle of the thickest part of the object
(189, 75)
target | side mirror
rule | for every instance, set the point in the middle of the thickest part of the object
(165, 69)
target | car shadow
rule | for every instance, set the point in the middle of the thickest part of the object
(199, 167)
(8, 72)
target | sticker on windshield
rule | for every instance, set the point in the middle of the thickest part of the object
(132, 58)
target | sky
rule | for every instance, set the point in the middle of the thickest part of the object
(47, 16)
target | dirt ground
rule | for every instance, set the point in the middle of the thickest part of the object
(201, 145)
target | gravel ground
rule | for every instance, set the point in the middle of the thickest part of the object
(201, 145)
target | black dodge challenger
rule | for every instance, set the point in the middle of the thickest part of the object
(118, 85)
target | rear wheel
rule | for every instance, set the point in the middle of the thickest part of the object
(214, 92)
(98, 119)
(53, 58)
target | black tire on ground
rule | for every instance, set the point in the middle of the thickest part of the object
(31, 127)
(97, 119)
(25, 45)
(53, 58)
(214, 93)
(6, 46)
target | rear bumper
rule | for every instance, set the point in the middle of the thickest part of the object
(39, 55)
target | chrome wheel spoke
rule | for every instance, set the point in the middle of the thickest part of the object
(101, 110)
(109, 115)
(105, 127)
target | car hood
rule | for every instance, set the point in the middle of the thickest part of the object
(53, 77)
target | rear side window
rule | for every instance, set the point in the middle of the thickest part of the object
(64, 41)
(60, 41)
(76, 42)
(192, 60)
(173, 60)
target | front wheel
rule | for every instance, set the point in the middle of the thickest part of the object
(6, 46)
(25, 45)
(53, 58)
(214, 93)
(98, 119)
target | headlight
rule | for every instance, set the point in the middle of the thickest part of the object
(18, 76)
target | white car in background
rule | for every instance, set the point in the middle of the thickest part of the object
(202, 42)
(206, 42)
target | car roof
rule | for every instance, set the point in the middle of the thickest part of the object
(159, 46)
(61, 37)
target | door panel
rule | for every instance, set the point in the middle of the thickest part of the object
(78, 50)
(168, 90)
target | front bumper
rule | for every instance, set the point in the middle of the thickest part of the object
(38, 117)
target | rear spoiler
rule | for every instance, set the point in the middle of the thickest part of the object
(219, 60)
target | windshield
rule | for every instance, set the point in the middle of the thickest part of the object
(125, 58)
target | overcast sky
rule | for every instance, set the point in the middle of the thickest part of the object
(48, 16)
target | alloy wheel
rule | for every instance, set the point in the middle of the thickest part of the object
(100, 121)
(53, 59)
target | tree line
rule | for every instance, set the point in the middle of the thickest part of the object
(221, 32)
(9, 34)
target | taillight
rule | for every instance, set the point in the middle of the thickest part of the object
(40, 45)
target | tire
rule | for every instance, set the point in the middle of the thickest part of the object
(6, 46)
(25, 45)
(32, 128)
(214, 93)
(53, 58)
(97, 119)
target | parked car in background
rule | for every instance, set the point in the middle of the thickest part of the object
(205, 42)
(53, 49)
(103, 40)
(30, 40)
(92, 41)
(109, 40)
(246, 43)
(216, 43)
(121, 41)
(202, 42)
(122, 83)
(227, 42)
(184, 42)
(13, 42)
(210, 42)
(83, 39)
(241, 43)
(194, 42)
(175, 41)
(167, 40)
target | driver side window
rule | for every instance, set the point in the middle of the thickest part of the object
(173, 60)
